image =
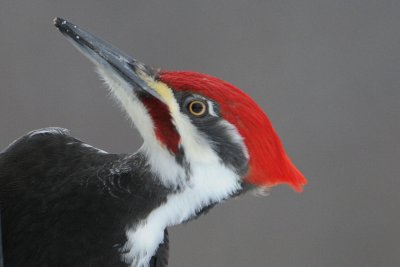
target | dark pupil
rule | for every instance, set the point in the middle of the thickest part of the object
(197, 108)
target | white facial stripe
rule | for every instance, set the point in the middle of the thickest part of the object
(211, 108)
(160, 160)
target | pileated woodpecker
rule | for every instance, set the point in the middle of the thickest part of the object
(66, 203)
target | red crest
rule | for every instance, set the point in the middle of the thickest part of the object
(268, 164)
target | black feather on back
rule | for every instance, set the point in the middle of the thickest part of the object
(64, 203)
(1, 245)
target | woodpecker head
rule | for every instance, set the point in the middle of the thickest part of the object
(191, 122)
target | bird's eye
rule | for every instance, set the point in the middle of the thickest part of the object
(197, 108)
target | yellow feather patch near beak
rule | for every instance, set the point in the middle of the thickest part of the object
(165, 94)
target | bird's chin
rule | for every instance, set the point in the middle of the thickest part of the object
(113, 81)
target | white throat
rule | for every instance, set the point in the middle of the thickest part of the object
(208, 184)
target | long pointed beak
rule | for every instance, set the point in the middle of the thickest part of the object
(104, 54)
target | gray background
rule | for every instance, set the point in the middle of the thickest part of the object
(326, 72)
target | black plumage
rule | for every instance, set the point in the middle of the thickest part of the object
(64, 203)
(1, 245)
